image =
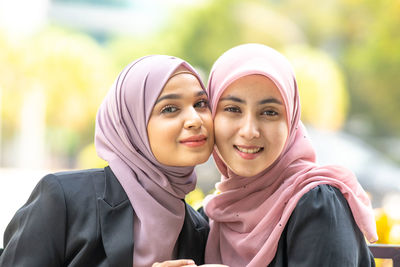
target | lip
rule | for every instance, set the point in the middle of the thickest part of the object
(194, 141)
(253, 151)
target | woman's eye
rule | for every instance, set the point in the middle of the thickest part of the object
(169, 109)
(232, 109)
(270, 113)
(201, 104)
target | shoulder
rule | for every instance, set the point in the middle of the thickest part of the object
(324, 205)
(54, 189)
(322, 232)
(321, 193)
(323, 198)
(77, 180)
(322, 216)
(60, 191)
(76, 175)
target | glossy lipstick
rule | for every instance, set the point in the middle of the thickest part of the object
(194, 141)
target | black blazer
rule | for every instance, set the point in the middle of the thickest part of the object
(84, 218)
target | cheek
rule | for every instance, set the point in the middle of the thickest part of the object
(163, 133)
(208, 122)
(223, 130)
(280, 135)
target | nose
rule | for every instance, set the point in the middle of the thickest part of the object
(193, 119)
(249, 130)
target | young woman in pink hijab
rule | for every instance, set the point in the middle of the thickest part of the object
(152, 128)
(275, 206)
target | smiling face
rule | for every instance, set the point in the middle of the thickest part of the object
(180, 128)
(250, 125)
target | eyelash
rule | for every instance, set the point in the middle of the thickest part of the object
(265, 112)
(268, 113)
(232, 109)
(167, 109)
(203, 103)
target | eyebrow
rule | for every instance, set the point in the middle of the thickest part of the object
(178, 96)
(262, 102)
(270, 100)
(232, 98)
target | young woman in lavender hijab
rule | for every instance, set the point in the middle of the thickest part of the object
(152, 128)
(275, 206)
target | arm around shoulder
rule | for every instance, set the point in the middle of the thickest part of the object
(36, 234)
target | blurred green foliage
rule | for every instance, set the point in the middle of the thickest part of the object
(346, 54)
(372, 61)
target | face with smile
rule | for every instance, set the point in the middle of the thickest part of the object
(180, 128)
(250, 125)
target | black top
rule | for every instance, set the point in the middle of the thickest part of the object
(322, 232)
(84, 218)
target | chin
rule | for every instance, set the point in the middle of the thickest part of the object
(200, 159)
(245, 172)
(191, 161)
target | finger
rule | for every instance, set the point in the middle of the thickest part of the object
(181, 263)
(174, 263)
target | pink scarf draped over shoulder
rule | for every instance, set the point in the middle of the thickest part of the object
(249, 214)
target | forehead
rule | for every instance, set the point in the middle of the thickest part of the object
(181, 83)
(253, 86)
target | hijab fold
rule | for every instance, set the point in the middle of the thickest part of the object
(249, 214)
(154, 190)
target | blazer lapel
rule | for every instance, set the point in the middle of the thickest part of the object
(116, 222)
(193, 237)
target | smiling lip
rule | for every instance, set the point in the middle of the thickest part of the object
(194, 141)
(248, 152)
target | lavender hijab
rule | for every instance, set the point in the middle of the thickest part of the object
(154, 190)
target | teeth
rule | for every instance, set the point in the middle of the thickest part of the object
(250, 151)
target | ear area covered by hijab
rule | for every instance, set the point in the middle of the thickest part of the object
(238, 212)
(154, 190)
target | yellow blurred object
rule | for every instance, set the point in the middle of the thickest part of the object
(382, 225)
(88, 158)
(383, 263)
(394, 234)
(322, 88)
(195, 198)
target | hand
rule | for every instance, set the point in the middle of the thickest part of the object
(174, 263)
(213, 265)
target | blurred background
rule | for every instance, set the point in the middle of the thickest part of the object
(59, 57)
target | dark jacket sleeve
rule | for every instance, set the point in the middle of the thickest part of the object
(322, 232)
(36, 234)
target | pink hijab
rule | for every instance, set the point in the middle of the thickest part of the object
(249, 215)
(154, 190)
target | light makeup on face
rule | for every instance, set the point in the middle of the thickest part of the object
(180, 128)
(250, 133)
